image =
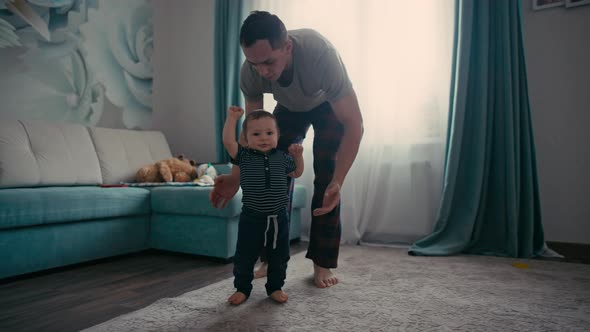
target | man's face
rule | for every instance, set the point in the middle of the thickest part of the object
(269, 63)
(262, 134)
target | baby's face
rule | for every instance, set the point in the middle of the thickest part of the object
(262, 134)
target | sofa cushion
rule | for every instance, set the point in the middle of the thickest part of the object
(34, 153)
(32, 249)
(20, 207)
(121, 152)
(202, 235)
(299, 196)
(192, 201)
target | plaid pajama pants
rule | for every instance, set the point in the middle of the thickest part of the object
(324, 237)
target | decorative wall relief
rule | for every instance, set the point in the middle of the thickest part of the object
(119, 40)
(7, 36)
(61, 60)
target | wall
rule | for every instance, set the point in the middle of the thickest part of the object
(558, 63)
(91, 73)
(90, 64)
(183, 76)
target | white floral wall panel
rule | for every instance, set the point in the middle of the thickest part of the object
(65, 60)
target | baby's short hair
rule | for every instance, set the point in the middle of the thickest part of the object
(255, 115)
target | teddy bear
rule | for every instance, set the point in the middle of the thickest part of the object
(177, 169)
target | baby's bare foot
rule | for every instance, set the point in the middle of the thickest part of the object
(237, 298)
(279, 296)
(323, 277)
(261, 271)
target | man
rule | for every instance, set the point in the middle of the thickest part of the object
(308, 80)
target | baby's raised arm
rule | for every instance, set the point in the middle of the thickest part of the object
(296, 152)
(229, 130)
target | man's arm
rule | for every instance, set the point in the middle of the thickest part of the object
(348, 112)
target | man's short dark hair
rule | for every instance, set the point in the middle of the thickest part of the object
(260, 25)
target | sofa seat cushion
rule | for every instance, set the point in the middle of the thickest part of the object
(21, 207)
(192, 201)
(299, 196)
(195, 201)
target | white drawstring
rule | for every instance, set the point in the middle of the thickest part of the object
(276, 229)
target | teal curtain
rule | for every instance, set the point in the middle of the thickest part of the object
(228, 58)
(490, 200)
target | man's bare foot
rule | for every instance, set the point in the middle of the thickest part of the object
(237, 298)
(279, 296)
(323, 277)
(261, 271)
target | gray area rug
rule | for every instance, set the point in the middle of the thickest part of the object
(384, 289)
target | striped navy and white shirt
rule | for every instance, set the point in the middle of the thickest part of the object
(263, 177)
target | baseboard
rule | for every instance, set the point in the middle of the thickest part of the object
(573, 252)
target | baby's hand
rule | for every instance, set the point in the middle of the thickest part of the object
(235, 112)
(296, 150)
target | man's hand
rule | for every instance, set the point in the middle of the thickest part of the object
(226, 187)
(235, 112)
(331, 199)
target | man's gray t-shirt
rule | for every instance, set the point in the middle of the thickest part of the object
(319, 75)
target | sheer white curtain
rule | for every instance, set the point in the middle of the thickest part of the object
(398, 55)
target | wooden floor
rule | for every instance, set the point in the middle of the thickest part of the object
(74, 298)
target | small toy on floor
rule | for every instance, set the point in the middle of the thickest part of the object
(520, 265)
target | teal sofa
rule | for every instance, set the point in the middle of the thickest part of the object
(56, 211)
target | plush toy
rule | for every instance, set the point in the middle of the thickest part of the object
(206, 169)
(177, 169)
(206, 175)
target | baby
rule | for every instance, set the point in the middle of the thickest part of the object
(264, 221)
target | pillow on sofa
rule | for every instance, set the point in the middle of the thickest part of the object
(121, 152)
(37, 153)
